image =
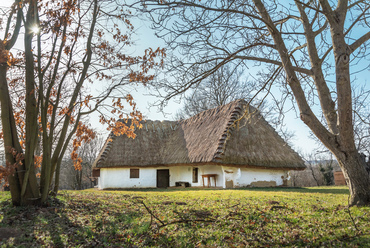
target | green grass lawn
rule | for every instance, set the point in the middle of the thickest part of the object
(258, 217)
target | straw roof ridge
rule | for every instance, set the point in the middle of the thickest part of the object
(220, 151)
(105, 150)
(259, 143)
(206, 133)
(235, 133)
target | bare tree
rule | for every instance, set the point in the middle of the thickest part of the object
(319, 172)
(361, 119)
(81, 179)
(307, 48)
(361, 123)
(227, 85)
(311, 166)
(220, 88)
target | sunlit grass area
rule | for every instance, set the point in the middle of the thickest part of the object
(190, 217)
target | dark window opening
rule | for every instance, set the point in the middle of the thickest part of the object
(96, 173)
(134, 173)
(195, 175)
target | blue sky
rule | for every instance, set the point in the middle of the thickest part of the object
(145, 38)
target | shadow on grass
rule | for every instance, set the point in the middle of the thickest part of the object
(63, 225)
(41, 226)
(323, 190)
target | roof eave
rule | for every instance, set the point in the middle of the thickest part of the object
(265, 167)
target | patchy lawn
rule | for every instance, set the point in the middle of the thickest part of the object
(270, 217)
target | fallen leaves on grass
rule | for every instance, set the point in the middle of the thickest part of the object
(185, 218)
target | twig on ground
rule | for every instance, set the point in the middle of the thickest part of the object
(182, 220)
(151, 213)
(350, 215)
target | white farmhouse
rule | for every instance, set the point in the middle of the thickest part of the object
(229, 146)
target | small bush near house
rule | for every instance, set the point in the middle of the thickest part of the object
(269, 217)
(327, 172)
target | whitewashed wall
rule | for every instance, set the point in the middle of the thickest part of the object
(180, 173)
(231, 177)
(184, 174)
(248, 175)
(211, 169)
(240, 177)
(120, 177)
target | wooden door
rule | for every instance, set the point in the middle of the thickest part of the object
(163, 178)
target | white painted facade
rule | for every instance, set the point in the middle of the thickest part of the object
(248, 176)
(227, 177)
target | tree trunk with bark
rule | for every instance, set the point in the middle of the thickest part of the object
(23, 188)
(339, 139)
(304, 44)
(44, 99)
(358, 181)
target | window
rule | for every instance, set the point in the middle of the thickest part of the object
(134, 173)
(96, 173)
(195, 175)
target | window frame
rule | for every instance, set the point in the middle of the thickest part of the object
(195, 175)
(134, 173)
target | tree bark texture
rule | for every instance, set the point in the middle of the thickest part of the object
(301, 37)
(339, 140)
(357, 179)
(13, 148)
(8, 125)
(52, 100)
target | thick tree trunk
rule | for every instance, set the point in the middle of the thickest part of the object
(30, 191)
(358, 180)
(339, 139)
(349, 159)
(16, 180)
(6, 119)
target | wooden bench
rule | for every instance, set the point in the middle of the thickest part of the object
(182, 184)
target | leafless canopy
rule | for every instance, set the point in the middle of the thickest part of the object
(225, 85)
(308, 49)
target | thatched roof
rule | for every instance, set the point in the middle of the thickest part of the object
(233, 134)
